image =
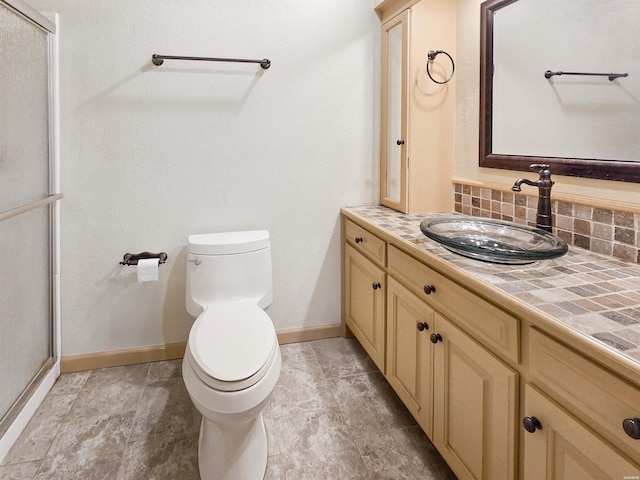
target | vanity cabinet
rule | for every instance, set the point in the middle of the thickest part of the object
(460, 394)
(477, 374)
(365, 289)
(557, 446)
(409, 359)
(417, 114)
(598, 403)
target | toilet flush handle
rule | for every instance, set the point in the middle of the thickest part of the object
(197, 261)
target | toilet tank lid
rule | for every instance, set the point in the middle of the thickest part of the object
(226, 243)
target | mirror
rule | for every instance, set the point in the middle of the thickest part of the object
(581, 125)
(394, 112)
(393, 144)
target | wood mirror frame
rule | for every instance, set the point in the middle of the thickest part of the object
(626, 171)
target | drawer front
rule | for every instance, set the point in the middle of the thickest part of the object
(485, 322)
(365, 242)
(603, 399)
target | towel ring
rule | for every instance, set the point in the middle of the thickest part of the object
(431, 55)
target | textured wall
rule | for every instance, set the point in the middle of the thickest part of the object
(152, 154)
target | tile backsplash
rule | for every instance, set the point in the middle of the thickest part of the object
(601, 230)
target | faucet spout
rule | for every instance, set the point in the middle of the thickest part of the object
(544, 184)
(520, 181)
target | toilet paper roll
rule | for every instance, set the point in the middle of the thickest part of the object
(148, 270)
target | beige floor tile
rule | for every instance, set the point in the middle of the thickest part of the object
(37, 437)
(87, 448)
(161, 458)
(369, 404)
(19, 471)
(332, 416)
(339, 357)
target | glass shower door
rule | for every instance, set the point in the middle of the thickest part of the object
(26, 206)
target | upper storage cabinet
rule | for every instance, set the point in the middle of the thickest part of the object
(416, 141)
(393, 142)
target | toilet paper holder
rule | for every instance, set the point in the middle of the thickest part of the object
(132, 258)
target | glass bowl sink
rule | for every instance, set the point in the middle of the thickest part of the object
(494, 241)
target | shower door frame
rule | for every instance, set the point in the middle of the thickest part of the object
(25, 406)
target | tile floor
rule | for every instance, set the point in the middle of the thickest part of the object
(332, 416)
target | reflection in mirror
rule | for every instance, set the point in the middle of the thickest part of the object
(582, 125)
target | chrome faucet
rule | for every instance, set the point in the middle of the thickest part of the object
(544, 184)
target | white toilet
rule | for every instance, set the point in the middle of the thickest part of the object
(232, 361)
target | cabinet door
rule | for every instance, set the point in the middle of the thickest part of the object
(364, 303)
(409, 359)
(393, 140)
(564, 449)
(474, 409)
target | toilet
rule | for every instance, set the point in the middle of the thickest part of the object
(232, 360)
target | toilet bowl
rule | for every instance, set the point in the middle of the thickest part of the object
(232, 360)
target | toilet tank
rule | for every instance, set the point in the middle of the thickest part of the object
(228, 267)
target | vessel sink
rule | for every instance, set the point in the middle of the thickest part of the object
(494, 241)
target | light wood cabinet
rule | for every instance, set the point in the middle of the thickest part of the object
(587, 389)
(485, 370)
(461, 395)
(365, 287)
(475, 406)
(560, 447)
(417, 122)
(409, 353)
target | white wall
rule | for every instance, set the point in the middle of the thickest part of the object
(152, 154)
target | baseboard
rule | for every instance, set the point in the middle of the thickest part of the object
(117, 358)
(319, 332)
(172, 351)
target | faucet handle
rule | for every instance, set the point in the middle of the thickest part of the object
(540, 167)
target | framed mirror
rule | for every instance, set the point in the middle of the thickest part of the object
(546, 89)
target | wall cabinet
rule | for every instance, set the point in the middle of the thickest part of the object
(477, 378)
(417, 114)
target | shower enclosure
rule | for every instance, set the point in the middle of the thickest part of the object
(29, 195)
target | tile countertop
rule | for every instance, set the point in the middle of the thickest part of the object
(594, 295)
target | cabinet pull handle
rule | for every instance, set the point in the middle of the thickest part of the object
(400, 142)
(359, 239)
(376, 285)
(531, 424)
(435, 338)
(631, 427)
(423, 326)
(429, 289)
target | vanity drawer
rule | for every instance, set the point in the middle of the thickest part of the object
(596, 396)
(482, 320)
(365, 242)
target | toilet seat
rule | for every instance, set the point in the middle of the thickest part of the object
(232, 345)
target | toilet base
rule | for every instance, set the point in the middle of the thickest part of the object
(237, 452)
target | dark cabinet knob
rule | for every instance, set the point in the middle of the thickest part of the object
(632, 427)
(531, 424)
(376, 285)
(435, 338)
(400, 142)
(423, 326)
(359, 239)
(429, 289)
